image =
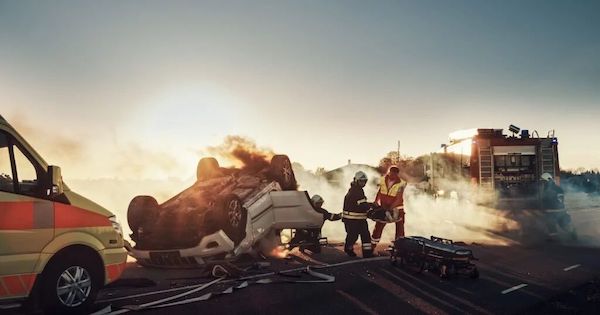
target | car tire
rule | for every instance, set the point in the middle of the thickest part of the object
(281, 171)
(70, 284)
(141, 209)
(207, 168)
(232, 217)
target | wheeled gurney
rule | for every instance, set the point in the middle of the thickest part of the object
(436, 254)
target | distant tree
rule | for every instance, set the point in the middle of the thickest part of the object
(320, 171)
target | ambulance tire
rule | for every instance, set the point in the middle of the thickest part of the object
(71, 262)
(281, 171)
(140, 210)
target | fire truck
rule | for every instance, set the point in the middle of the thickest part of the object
(510, 165)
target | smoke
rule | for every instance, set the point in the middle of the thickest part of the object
(241, 152)
(134, 161)
(115, 194)
(56, 145)
(453, 216)
(333, 186)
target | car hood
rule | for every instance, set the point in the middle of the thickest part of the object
(79, 201)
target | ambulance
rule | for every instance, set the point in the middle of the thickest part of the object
(57, 248)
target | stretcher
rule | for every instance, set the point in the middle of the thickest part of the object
(434, 254)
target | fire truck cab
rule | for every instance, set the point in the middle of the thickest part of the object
(57, 248)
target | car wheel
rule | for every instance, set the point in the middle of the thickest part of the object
(232, 217)
(207, 169)
(70, 284)
(281, 170)
(141, 210)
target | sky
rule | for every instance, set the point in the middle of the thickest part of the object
(138, 89)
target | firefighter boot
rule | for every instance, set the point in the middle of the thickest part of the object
(350, 252)
(367, 250)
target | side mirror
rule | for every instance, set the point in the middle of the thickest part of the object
(56, 183)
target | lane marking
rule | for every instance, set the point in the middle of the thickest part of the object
(357, 302)
(517, 287)
(419, 283)
(572, 267)
(403, 294)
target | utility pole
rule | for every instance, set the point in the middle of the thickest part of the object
(398, 162)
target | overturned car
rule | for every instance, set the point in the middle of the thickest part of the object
(225, 213)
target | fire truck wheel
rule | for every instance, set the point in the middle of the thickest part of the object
(70, 283)
(281, 171)
(232, 217)
(207, 168)
(140, 210)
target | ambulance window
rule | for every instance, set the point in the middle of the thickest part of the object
(26, 173)
(6, 182)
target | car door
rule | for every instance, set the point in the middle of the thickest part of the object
(26, 218)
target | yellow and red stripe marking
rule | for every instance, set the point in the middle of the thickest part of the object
(16, 215)
(114, 271)
(66, 216)
(27, 215)
(16, 285)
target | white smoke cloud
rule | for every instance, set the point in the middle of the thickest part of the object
(454, 218)
(333, 193)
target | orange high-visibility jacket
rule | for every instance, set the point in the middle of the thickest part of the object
(390, 192)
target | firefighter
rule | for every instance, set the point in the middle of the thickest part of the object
(355, 217)
(389, 197)
(309, 238)
(554, 207)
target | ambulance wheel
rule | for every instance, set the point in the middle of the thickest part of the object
(232, 217)
(140, 210)
(474, 274)
(281, 170)
(70, 283)
(207, 168)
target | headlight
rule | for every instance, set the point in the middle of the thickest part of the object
(116, 225)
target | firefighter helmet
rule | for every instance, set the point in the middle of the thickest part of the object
(317, 201)
(547, 177)
(361, 178)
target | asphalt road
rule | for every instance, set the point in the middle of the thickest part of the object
(513, 280)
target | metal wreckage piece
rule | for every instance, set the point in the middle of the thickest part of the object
(237, 284)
